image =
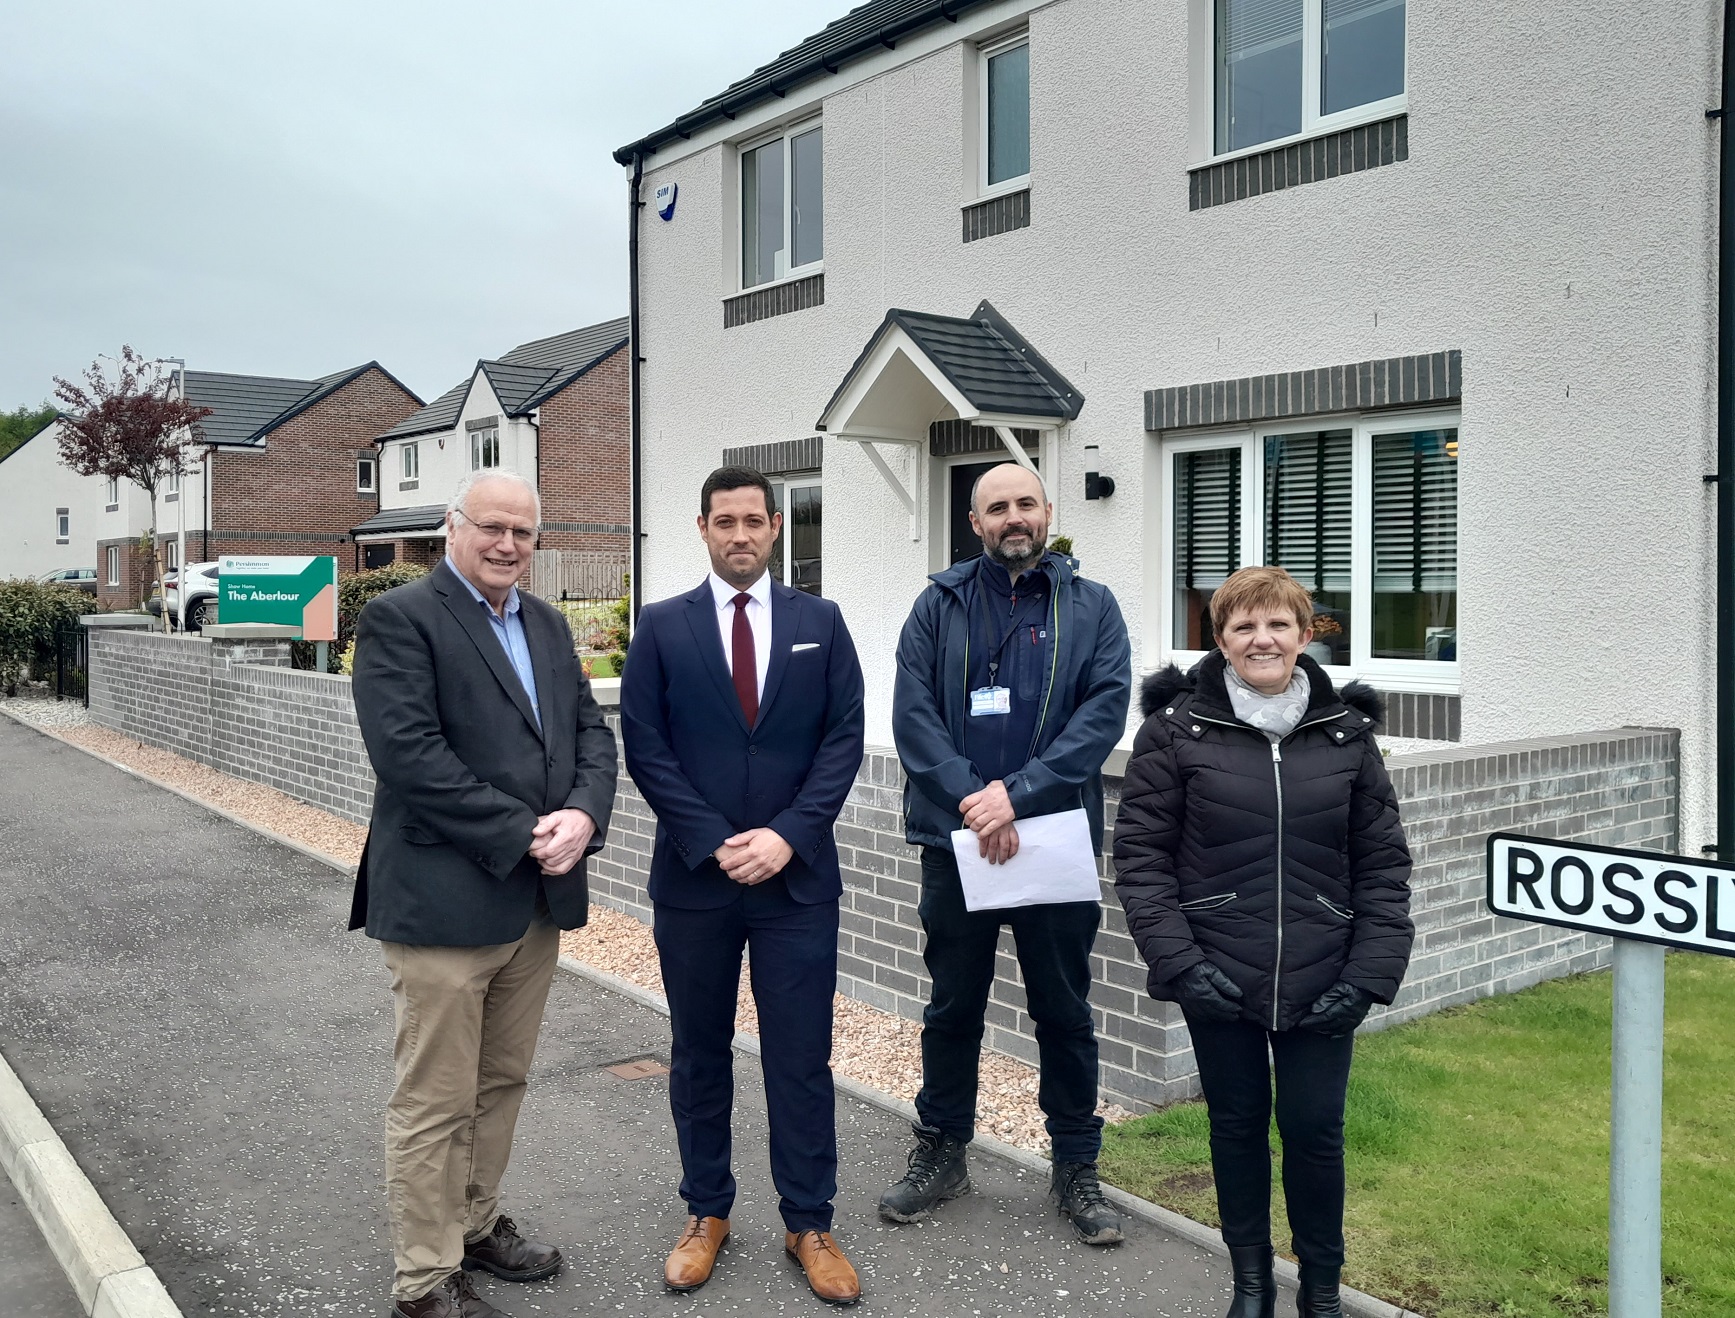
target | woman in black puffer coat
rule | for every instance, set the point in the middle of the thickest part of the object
(1265, 878)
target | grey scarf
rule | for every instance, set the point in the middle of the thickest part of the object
(1276, 716)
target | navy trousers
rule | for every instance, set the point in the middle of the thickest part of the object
(792, 961)
(1054, 945)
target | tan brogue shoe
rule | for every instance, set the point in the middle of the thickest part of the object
(695, 1253)
(828, 1272)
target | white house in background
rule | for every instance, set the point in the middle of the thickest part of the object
(1416, 300)
(52, 518)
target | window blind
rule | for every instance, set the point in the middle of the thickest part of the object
(1415, 512)
(1307, 507)
(1207, 517)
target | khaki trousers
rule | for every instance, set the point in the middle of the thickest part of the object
(467, 1020)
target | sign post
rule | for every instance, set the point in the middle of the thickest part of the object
(292, 592)
(1648, 902)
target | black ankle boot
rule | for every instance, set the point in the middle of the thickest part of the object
(1318, 1297)
(1255, 1287)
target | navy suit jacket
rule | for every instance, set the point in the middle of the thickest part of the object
(708, 776)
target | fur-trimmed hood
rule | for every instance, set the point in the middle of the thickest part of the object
(1165, 685)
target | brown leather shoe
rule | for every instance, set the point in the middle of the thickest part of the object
(828, 1272)
(455, 1297)
(695, 1253)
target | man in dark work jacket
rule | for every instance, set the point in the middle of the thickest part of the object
(1013, 680)
(496, 778)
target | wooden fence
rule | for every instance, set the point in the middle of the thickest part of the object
(578, 574)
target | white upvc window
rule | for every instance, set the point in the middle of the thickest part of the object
(795, 558)
(485, 448)
(174, 486)
(366, 476)
(171, 555)
(783, 205)
(112, 555)
(1003, 110)
(1287, 69)
(62, 526)
(111, 496)
(1363, 511)
(410, 462)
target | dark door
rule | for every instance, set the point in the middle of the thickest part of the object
(379, 555)
(965, 543)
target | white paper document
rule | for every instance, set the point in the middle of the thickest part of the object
(1054, 864)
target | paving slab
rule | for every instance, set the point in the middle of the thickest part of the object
(31, 1282)
(181, 998)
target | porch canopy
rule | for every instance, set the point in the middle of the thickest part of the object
(426, 522)
(920, 368)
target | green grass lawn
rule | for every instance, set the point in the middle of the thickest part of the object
(1478, 1154)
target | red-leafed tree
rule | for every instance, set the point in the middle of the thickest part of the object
(133, 427)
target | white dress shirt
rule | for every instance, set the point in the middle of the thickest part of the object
(758, 618)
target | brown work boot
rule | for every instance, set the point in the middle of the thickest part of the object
(695, 1253)
(509, 1255)
(455, 1297)
(828, 1272)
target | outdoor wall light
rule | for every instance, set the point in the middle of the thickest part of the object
(1096, 486)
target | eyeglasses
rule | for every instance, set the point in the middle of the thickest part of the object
(521, 535)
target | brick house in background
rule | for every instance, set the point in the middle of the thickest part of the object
(286, 467)
(555, 410)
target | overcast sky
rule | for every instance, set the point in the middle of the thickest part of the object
(291, 189)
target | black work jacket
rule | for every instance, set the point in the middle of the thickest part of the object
(1283, 865)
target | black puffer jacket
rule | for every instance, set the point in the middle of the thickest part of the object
(1284, 866)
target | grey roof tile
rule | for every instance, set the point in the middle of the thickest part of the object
(391, 521)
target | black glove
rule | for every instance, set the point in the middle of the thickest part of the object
(1207, 993)
(1337, 1011)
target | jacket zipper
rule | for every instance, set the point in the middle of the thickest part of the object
(1277, 779)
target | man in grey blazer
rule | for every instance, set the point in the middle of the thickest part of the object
(496, 777)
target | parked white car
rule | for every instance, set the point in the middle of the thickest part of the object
(201, 595)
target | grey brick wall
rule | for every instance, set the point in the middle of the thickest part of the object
(240, 709)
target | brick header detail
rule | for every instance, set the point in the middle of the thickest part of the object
(1366, 146)
(949, 439)
(1434, 377)
(997, 215)
(779, 456)
(778, 300)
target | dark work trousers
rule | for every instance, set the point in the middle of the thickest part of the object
(1054, 945)
(792, 961)
(1237, 1061)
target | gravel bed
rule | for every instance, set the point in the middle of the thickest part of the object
(39, 707)
(871, 1046)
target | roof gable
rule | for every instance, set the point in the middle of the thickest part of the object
(245, 409)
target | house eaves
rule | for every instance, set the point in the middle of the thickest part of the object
(878, 25)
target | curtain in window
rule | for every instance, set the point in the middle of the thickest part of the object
(1207, 537)
(1308, 482)
(1415, 494)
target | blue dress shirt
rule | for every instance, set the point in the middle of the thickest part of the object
(509, 631)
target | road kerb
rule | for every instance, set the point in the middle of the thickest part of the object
(106, 1271)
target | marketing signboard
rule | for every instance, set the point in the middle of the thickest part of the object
(292, 592)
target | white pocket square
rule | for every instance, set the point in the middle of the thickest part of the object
(805, 645)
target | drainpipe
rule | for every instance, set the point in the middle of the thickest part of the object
(635, 206)
(1726, 454)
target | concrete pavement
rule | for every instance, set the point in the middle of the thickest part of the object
(31, 1282)
(182, 1001)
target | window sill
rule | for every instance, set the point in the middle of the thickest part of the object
(409, 485)
(997, 191)
(776, 299)
(112, 508)
(1296, 161)
(997, 215)
(171, 498)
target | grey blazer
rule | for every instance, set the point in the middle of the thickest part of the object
(464, 771)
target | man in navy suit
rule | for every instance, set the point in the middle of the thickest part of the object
(741, 711)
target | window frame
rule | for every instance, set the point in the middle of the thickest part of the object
(781, 487)
(1435, 676)
(410, 466)
(787, 133)
(479, 438)
(985, 190)
(63, 526)
(372, 484)
(172, 489)
(111, 560)
(111, 501)
(1313, 123)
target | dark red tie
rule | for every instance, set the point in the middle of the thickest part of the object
(743, 660)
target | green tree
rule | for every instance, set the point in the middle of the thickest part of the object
(21, 424)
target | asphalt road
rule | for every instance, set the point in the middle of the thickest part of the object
(181, 997)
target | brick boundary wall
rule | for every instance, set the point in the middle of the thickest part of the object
(237, 706)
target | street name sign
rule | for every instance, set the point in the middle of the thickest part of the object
(1672, 900)
(1648, 902)
(292, 592)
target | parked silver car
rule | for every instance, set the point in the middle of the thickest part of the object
(201, 595)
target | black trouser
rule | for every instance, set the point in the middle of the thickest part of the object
(1312, 1074)
(1054, 945)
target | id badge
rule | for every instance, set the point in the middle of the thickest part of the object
(990, 700)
